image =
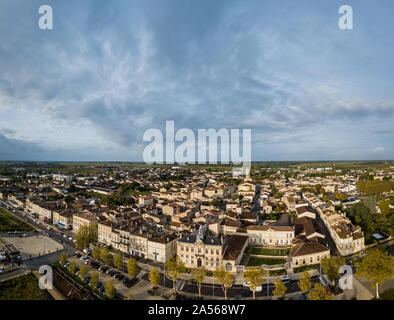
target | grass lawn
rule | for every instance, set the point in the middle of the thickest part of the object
(22, 288)
(305, 268)
(274, 273)
(269, 252)
(387, 295)
(9, 222)
(253, 262)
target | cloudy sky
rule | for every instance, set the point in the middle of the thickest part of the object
(110, 70)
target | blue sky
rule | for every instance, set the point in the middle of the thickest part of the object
(110, 70)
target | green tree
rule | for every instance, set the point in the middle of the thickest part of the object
(86, 236)
(384, 206)
(319, 293)
(174, 268)
(154, 276)
(129, 296)
(63, 258)
(330, 267)
(72, 267)
(280, 288)
(198, 276)
(118, 261)
(225, 278)
(132, 267)
(255, 277)
(110, 290)
(106, 256)
(83, 272)
(305, 282)
(377, 267)
(94, 278)
(96, 253)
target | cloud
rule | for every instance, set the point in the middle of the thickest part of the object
(110, 71)
(379, 149)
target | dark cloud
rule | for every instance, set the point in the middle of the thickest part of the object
(112, 70)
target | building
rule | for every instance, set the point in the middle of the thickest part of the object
(201, 250)
(348, 238)
(271, 235)
(305, 253)
(83, 219)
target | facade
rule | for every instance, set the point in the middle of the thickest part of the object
(199, 250)
(277, 236)
(138, 239)
(63, 218)
(39, 209)
(83, 219)
(305, 253)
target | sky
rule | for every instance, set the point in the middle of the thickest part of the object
(110, 70)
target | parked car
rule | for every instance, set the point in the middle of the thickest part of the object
(66, 264)
(102, 290)
(99, 284)
(87, 278)
(125, 280)
(121, 277)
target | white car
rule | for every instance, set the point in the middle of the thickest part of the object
(70, 238)
(246, 284)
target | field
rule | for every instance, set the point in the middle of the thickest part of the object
(22, 288)
(269, 252)
(253, 262)
(9, 222)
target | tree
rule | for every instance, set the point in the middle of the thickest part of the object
(173, 268)
(154, 276)
(83, 272)
(94, 278)
(384, 206)
(110, 291)
(198, 276)
(72, 267)
(106, 256)
(118, 261)
(280, 288)
(319, 293)
(63, 258)
(225, 278)
(132, 267)
(305, 282)
(86, 236)
(128, 296)
(377, 267)
(96, 253)
(331, 267)
(256, 278)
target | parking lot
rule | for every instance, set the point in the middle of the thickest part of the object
(120, 287)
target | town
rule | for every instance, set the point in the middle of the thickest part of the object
(197, 231)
